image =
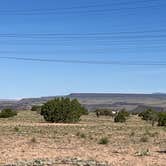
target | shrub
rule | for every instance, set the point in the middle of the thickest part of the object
(144, 139)
(82, 135)
(162, 119)
(36, 108)
(33, 140)
(62, 110)
(7, 113)
(149, 115)
(143, 153)
(103, 141)
(132, 133)
(121, 116)
(16, 129)
(104, 112)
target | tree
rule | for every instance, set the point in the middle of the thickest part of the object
(149, 115)
(162, 119)
(7, 113)
(62, 110)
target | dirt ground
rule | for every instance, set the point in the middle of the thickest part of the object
(134, 143)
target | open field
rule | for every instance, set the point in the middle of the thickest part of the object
(27, 137)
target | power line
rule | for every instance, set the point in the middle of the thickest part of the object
(82, 34)
(90, 62)
(75, 9)
(80, 6)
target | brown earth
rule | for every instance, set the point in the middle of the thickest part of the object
(136, 142)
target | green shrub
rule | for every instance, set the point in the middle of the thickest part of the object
(62, 110)
(149, 115)
(36, 108)
(7, 113)
(121, 116)
(103, 141)
(162, 119)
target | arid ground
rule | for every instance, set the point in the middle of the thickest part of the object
(134, 143)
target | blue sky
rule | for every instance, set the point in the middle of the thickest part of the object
(33, 79)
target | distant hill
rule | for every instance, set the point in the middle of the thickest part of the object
(142, 108)
(96, 100)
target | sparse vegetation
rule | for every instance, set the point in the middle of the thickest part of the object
(96, 136)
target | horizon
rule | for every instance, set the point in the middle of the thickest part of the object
(82, 93)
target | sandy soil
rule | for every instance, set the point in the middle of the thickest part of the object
(41, 140)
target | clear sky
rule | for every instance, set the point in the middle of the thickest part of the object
(33, 79)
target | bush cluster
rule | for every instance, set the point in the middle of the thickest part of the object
(7, 113)
(63, 110)
(153, 116)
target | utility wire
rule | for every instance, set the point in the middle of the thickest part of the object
(80, 6)
(64, 11)
(90, 62)
(83, 34)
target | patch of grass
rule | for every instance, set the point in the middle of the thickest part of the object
(104, 141)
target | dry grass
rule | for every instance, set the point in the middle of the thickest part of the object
(125, 146)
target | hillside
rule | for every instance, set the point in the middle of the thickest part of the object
(96, 100)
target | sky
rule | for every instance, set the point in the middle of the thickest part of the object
(22, 79)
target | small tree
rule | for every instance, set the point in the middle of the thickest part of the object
(7, 113)
(62, 110)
